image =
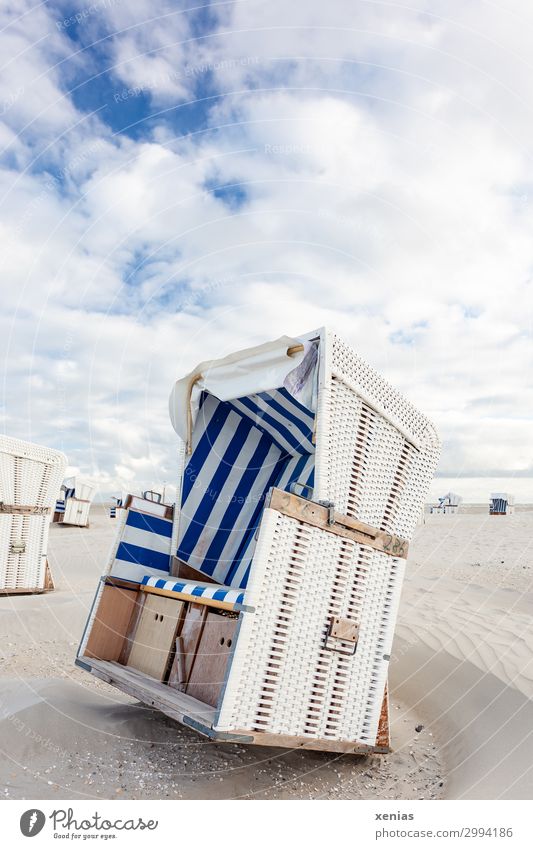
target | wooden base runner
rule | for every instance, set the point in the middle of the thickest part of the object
(48, 586)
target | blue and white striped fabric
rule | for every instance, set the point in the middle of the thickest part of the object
(198, 590)
(144, 545)
(68, 492)
(241, 449)
(498, 505)
(276, 413)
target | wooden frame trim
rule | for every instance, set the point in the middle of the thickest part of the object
(201, 717)
(197, 599)
(24, 509)
(319, 516)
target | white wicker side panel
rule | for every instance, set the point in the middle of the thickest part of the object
(29, 474)
(26, 569)
(76, 512)
(282, 679)
(376, 454)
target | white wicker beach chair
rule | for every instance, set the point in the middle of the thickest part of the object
(30, 477)
(117, 503)
(74, 504)
(448, 503)
(302, 478)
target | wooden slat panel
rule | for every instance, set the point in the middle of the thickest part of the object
(155, 635)
(153, 693)
(111, 623)
(212, 655)
(209, 602)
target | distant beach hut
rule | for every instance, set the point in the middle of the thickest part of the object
(30, 477)
(260, 608)
(116, 504)
(501, 504)
(448, 503)
(74, 503)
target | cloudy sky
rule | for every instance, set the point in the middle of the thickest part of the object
(180, 180)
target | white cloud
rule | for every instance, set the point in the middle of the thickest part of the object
(382, 163)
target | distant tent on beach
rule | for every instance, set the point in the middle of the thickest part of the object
(448, 503)
(501, 504)
(30, 477)
(74, 503)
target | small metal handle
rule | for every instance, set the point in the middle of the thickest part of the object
(296, 484)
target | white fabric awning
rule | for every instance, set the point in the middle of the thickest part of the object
(243, 373)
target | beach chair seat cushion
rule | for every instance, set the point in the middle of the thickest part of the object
(197, 589)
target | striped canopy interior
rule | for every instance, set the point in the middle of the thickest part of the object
(498, 505)
(241, 448)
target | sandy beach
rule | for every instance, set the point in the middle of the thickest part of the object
(461, 677)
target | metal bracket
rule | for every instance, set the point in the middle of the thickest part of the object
(329, 505)
(343, 630)
(323, 515)
(301, 486)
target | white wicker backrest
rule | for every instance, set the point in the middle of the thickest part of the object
(30, 474)
(376, 453)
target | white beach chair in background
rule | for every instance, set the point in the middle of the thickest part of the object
(263, 611)
(448, 503)
(117, 504)
(74, 503)
(30, 477)
(501, 504)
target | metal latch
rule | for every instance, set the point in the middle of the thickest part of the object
(18, 547)
(331, 510)
(342, 631)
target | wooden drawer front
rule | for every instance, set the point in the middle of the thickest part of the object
(186, 645)
(155, 635)
(108, 632)
(209, 667)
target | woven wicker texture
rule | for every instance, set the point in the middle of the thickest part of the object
(283, 679)
(30, 476)
(375, 457)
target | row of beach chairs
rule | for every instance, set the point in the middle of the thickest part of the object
(259, 607)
